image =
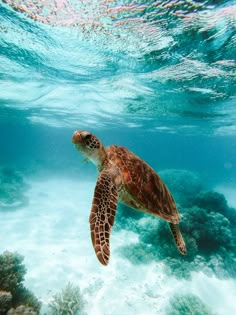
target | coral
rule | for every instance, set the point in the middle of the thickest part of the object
(222, 264)
(22, 310)
(12, 189)
(215, 202)
(210, 230)
(26, 297)
(209, 242)
(5, 301)
(166, 246)
(212, 201)
(207, 224)
(186, 305)
(12, 271)
(68, 302)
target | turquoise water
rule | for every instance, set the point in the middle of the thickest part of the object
(157, 77)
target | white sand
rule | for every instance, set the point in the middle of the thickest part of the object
(52, 232)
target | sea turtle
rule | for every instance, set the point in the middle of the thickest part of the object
(123, 176)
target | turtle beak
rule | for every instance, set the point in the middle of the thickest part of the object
(77, 137)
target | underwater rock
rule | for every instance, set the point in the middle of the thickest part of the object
(68, 301)
(12, 189)
(22, 310)
(186, 305)
(5, 302)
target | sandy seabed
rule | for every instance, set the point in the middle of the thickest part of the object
(52, 233)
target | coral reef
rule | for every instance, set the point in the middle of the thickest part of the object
(22, 310)
(5, 301)
(12, 189)
(211, 230)
(27, 298)
(12, 272)
(213, 201)
(68, 302)
(208, 226)
(186, 305)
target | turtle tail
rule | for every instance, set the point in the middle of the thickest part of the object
(179, 241)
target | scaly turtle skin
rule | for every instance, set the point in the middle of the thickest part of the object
(126, 177)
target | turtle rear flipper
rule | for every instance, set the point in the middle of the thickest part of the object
(179, 241)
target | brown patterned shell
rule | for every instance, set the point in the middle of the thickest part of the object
(144, 189)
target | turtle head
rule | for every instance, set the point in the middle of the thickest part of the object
(90, 146)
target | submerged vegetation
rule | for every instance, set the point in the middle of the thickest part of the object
(12, 189)
(68, 302)
(14, 297)
(207, 223)
(186, 305)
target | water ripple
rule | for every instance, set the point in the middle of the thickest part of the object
(119, 62)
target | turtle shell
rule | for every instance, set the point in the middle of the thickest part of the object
(142, 188)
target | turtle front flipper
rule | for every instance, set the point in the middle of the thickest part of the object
(103, 214)
(179, 241)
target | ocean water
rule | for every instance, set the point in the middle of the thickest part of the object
(157, 77)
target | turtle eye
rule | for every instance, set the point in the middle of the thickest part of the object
(86, 136)
(88, 140)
